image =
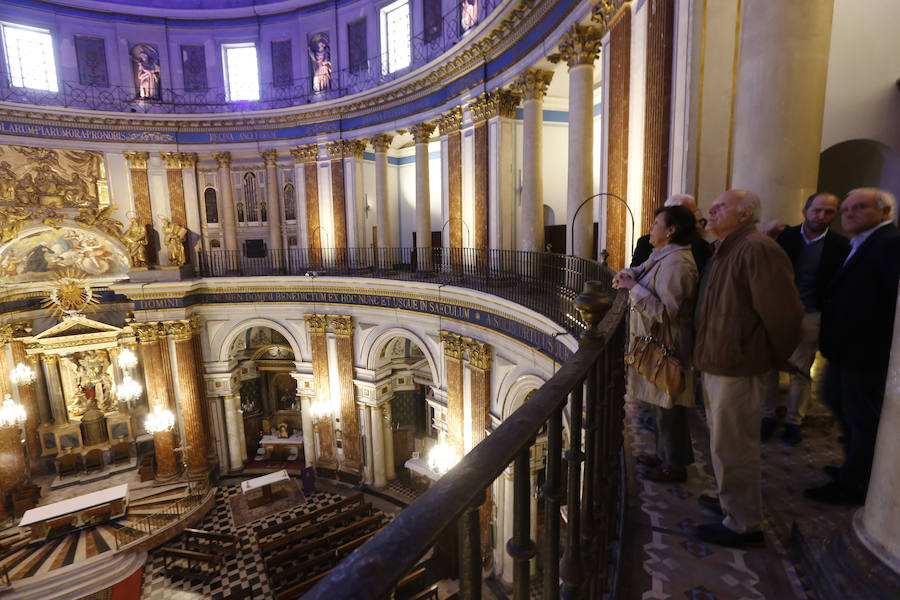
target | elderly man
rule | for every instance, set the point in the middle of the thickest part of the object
(816, 254)
(857, 324)
(699, 247)
(748, 323)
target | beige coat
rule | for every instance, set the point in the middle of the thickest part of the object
(667, 280)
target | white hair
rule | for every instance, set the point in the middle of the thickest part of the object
(883, 199)
(679, 200)
(750, 201)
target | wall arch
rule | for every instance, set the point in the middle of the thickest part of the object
(375, 341)
(228, 333)
(515, 395)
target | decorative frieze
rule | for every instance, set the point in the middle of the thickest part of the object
(305, 154)
(450, 121)
(532, 84)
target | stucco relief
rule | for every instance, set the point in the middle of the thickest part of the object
(53, 178)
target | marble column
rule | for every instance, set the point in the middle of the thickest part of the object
(12, 459)
(229, 219)
(579, 48)
(501, 125)
(155, 369)
(389, 470)
(201, 385)
(780, 102)
(453, 354)
(618, 83)
(421, 133)
(140, 191)
(370, 447)
(343, 331)
(234, 423)
(353, 192)
(298, 154)
(28, 399)
(480, 110)
(338, 200)
(308, 155)
(452, 227)
(480, 358)
(274, 209)
(309, 439)
(192, 202)
(378, 474)
(50, 365)
(508, 563)
(175, 183)
(532, 85)
(380, 143)
(192, 398)
(318, 345)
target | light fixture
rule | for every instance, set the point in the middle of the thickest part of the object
(21, 375)
(12, 413)
(127, 360)
(441, 457)
(320, 409)
(159, 420)
(129, 390)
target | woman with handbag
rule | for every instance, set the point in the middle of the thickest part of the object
(663, 291)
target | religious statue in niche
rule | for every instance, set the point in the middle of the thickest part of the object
(320, 62)
(175, 235)
(135, 238)
(468, 14)
(92, 382)
(145, 60)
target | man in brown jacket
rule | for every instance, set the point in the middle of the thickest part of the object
(748, 323)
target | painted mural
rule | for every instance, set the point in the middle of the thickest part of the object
(40, 255)
(32, 176)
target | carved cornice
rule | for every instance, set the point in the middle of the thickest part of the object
(580, 45)
(137, 160)
(421, 132)
(381, 142)
(480, 354)
(454, 347)
(223, 159)
(188, 160)
(270, 157)
(172, 159)
(532, 84)
(315, 323)
(342, 325)
(305, 154)
(180, 330)
(450, 121)
(147, 333)
(497, 103)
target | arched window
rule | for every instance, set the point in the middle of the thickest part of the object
(263, 212)
(290, 203)
(251, 201)
(212, 209)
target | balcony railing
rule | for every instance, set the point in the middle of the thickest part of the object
(197, 491)
(544, 282)
(367, 74)
(589, 388)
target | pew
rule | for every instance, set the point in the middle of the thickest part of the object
(190, 564)
(294, 552)
(314, 529)
(326, 560)
(301, 519)
(210, 541)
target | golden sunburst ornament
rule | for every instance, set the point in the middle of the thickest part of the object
(70, 295)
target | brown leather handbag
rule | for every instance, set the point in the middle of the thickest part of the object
(653, 356)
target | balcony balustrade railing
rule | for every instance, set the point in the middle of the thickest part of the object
(425, 47)
(197, 491)
(544, 282)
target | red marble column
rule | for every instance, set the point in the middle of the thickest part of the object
(480, 357)
(12, 461)
(192, 397)
(453, 353)
(308, 155)
(319, 349)
(201, 385)
(343, 330)
(29, 400)
(617, 151)
(140, 190)
(158, 396)
(338, 200)
(450, 123)
(480, 110)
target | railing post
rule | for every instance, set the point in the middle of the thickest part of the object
(588, 530)
(552, 495)
(521, 547)
(470, 552)
(571, 568)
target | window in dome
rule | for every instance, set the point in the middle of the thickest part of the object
(90, 53)
(250, 196)
(395, 43)
(241, 72)
(357, 47)
(212, 209)
(282, 63)
(431, 10)
(29, 57)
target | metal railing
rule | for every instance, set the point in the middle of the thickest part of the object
(590, 389)
(544, 282)
(367, 74)
(197, 491)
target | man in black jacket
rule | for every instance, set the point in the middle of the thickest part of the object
(816, 254)
(857, 326)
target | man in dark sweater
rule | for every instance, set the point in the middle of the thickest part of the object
(816, 254)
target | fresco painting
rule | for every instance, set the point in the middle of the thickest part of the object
(38, 256)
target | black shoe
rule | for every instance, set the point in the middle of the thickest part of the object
(791, 435)
(716, 533)
(711, 504)
(766, 429)
(832, 471)
(835, 493)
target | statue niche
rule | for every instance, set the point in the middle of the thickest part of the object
(91, 374)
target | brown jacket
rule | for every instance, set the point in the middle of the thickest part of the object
(750, 312)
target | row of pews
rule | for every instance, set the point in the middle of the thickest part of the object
(202, 554)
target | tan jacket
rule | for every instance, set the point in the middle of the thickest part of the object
(670, 284)
(750, 312)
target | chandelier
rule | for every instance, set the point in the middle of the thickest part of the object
(22, 375)
(441, 457)
(11, 413)
(159, 420)
(127, 360)
(129, 390)
(320, 409)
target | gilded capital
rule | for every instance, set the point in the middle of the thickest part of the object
(223, 159)
(315, 323)
(172, 159)
(580, 45)
(605, 12)
(196, 325)
(147, 333)
(421, 132)
(270, 156)
(137, 160)
(354, 148)
(188, 160)
(342, 325)
(480, 354)
(450, 120)
(381, 141)
(10, 331)
(386, 412)
(453, 345)
(180, 330)
(335, 150)
(498, 103)
(50, 359)
(533, 83)
(305, 154)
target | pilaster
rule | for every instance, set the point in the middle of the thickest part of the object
(453, 354)
(343, 330)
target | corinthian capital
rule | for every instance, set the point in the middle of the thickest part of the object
(223, 159)
(172, 159)
(270, 156)
(533, 83)
(342, 325)
(137, 160)
(580, 45)
(315, 323)
(421, 132)
(479, 353)
(381, 142)
(188, 160)
(451, 120)
(453, 345)
(305, 154)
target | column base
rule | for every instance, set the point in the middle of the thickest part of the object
(841, 566)
(167, 477)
